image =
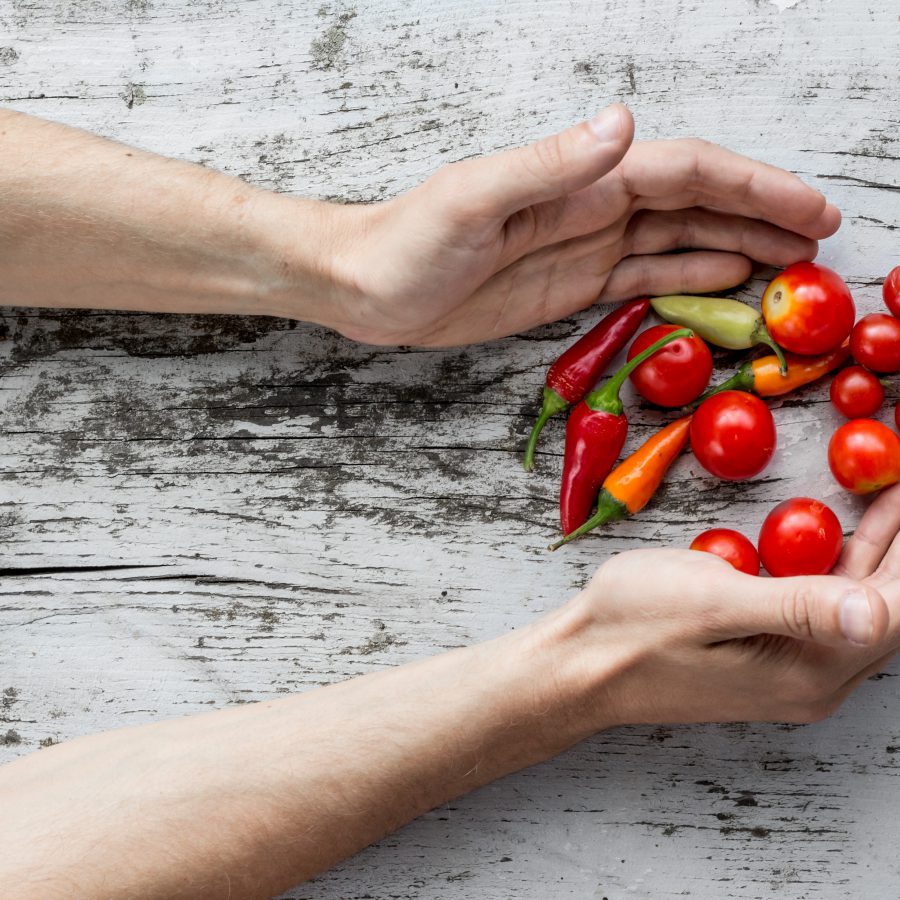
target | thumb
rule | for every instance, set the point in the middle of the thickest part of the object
(825, 609)
(554, 166)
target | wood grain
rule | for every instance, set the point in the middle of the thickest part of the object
(199, 511)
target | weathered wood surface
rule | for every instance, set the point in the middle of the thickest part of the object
(232, 509)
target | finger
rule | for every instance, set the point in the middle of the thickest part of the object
(495, 187)
(825, 609)
(874, 537)
(728, 181)
(690, 273)
(658, 232)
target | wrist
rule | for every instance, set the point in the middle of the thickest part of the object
(301, 244)
(576, 668)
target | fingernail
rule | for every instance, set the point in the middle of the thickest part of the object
(856, 618)
(607, 125)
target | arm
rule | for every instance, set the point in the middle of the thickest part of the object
(483, 249)
(251, 800)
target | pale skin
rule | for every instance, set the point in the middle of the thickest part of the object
(246, 802)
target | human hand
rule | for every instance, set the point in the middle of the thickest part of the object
(695, 640)
(493, 246)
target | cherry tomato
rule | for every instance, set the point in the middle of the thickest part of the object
(808, 309)
(856, 393)
(801, 536)
(732, 546)
(733, 435)
(875, 342)
(864, 456)
(890, 290)
(675, 375)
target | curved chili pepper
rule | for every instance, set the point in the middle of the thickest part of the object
(723, 322)
(763, 376)
(595, 434)
(629, 487)
(579, 367)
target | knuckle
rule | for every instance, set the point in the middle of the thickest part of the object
(549, 158)
(799, 612)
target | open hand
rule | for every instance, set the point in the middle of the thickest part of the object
(493, 246)
(704, 642)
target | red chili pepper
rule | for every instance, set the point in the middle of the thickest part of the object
(595, 435)
(577, 370)
(629, 487)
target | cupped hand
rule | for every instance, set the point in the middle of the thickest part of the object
(493, 246)
(704, 642)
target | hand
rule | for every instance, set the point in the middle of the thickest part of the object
(703, 642)
(494, 246)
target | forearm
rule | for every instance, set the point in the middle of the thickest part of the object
(251, 800)
(88, 222)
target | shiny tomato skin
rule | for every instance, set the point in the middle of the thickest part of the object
(856, 393)
(731, 546)
(800, 536)
(890, 290)
(875, 342)
(733, 435)
(675, 375)
(864, 456)
(808, 309)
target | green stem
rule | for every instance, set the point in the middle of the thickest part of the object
(553, 403)
(742, 380)
(606, 398)
(761, 336)
(608, 510)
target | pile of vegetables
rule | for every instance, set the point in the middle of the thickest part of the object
(808, 321)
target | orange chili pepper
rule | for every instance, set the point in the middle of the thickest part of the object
(763, 376)
(629, 487)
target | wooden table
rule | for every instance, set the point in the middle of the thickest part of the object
(204, 511)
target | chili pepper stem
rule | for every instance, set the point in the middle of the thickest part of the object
(761, 336)
(553, 403)
(742, 380)
(606, 398)
(608, 510)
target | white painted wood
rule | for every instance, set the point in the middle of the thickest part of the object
(313, 509)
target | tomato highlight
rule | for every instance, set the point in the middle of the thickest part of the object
(800, 536)
(675, 375)
(875, 342)
(808, 309)
(731, 546)
(733, 435)
(856, 393)
(864, 456)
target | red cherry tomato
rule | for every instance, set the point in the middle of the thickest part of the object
(675, 375)
(732, 546)
(733, 435)
(856, 393)
(801, 536)
(875, 342)
(864, 456)
(808, 309)
(890, 290)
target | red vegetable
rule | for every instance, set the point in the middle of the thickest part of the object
(875, 342)
(675, 376)
(864, 456)
(808, 309)
(890, 290)
(732, 546)
(579, 368)
(856, 393)
(801, 536)
(733, 435)
(595, 434)
(629, 487)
